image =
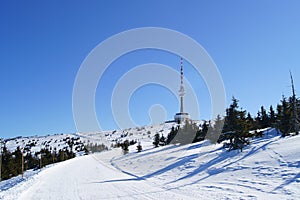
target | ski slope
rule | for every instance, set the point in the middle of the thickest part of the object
(89, 178)
(269, 168)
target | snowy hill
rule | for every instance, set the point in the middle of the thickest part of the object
(144, 133)
(269, 168)
(36, 143)
(62, 141)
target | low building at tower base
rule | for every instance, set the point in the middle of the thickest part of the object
(181, 117)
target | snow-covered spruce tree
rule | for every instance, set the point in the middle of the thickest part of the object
(264, 121)
(272, 116)
(125, 146)
(214, 130)
(235, 126)
(8, 164)
(186, 134)
(139, 147)
(201, 134)
(172, 134)
(251, 123)
(284, 117)
(162, 141)
(156, 140)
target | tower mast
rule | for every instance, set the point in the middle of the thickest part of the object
(181, 90)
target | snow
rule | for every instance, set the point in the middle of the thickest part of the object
(268, 168)
(60, 141)
(36, 143)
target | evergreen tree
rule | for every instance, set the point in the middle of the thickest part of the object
(17, 155)
(31, 162)
(257, 122)
(171, 135)
(235, 126)
(125, 146)
(264, 122)
(8, 165)
(162, 141)
(201, 134)
(186, 134)
(139, 147)
(234, 119)
(250, 122)
(284, 117)
(156, 140)
(214, 131)
(272, 116)
(242, 123)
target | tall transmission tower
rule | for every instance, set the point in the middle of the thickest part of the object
(181, 116)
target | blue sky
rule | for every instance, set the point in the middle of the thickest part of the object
(42, 45)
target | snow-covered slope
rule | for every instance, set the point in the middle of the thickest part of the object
(61, 141)
(269, 168)
(52, 142)
(144, 133)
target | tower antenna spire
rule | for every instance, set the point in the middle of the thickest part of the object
(181, 71)
(181, 90)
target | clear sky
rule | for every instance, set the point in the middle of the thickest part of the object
(43, 43)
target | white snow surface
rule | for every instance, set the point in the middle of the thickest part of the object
(268, 168)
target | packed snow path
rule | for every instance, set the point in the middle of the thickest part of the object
(89, 178)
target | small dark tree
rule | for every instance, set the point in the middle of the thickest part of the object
(200, 134)
(284, 117)
(215, 130)
(125, 146)
(139, 147)
(231, 119)
(156, 140)
(272, 116)
(264, 121)
(235, 127)
(171, 135)
(162, 141)
(186, 134)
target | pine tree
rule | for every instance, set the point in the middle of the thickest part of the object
(284, 117)
(156, 140)
(264, 122)
(272, 116)
(201, 134)
(257, 122)
(171, 135)
(8, 165)
(215, 130)
(250, 122)
(232, 117)
(139, 147)
(17, 156)
(125, 146)
(186, 134)
(235, 126)
(162, 141)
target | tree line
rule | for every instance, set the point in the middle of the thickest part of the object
(16, 162)
(236, 126)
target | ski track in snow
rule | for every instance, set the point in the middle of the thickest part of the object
(88, 177)
(269, 168)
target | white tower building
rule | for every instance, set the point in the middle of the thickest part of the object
(181, 116)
